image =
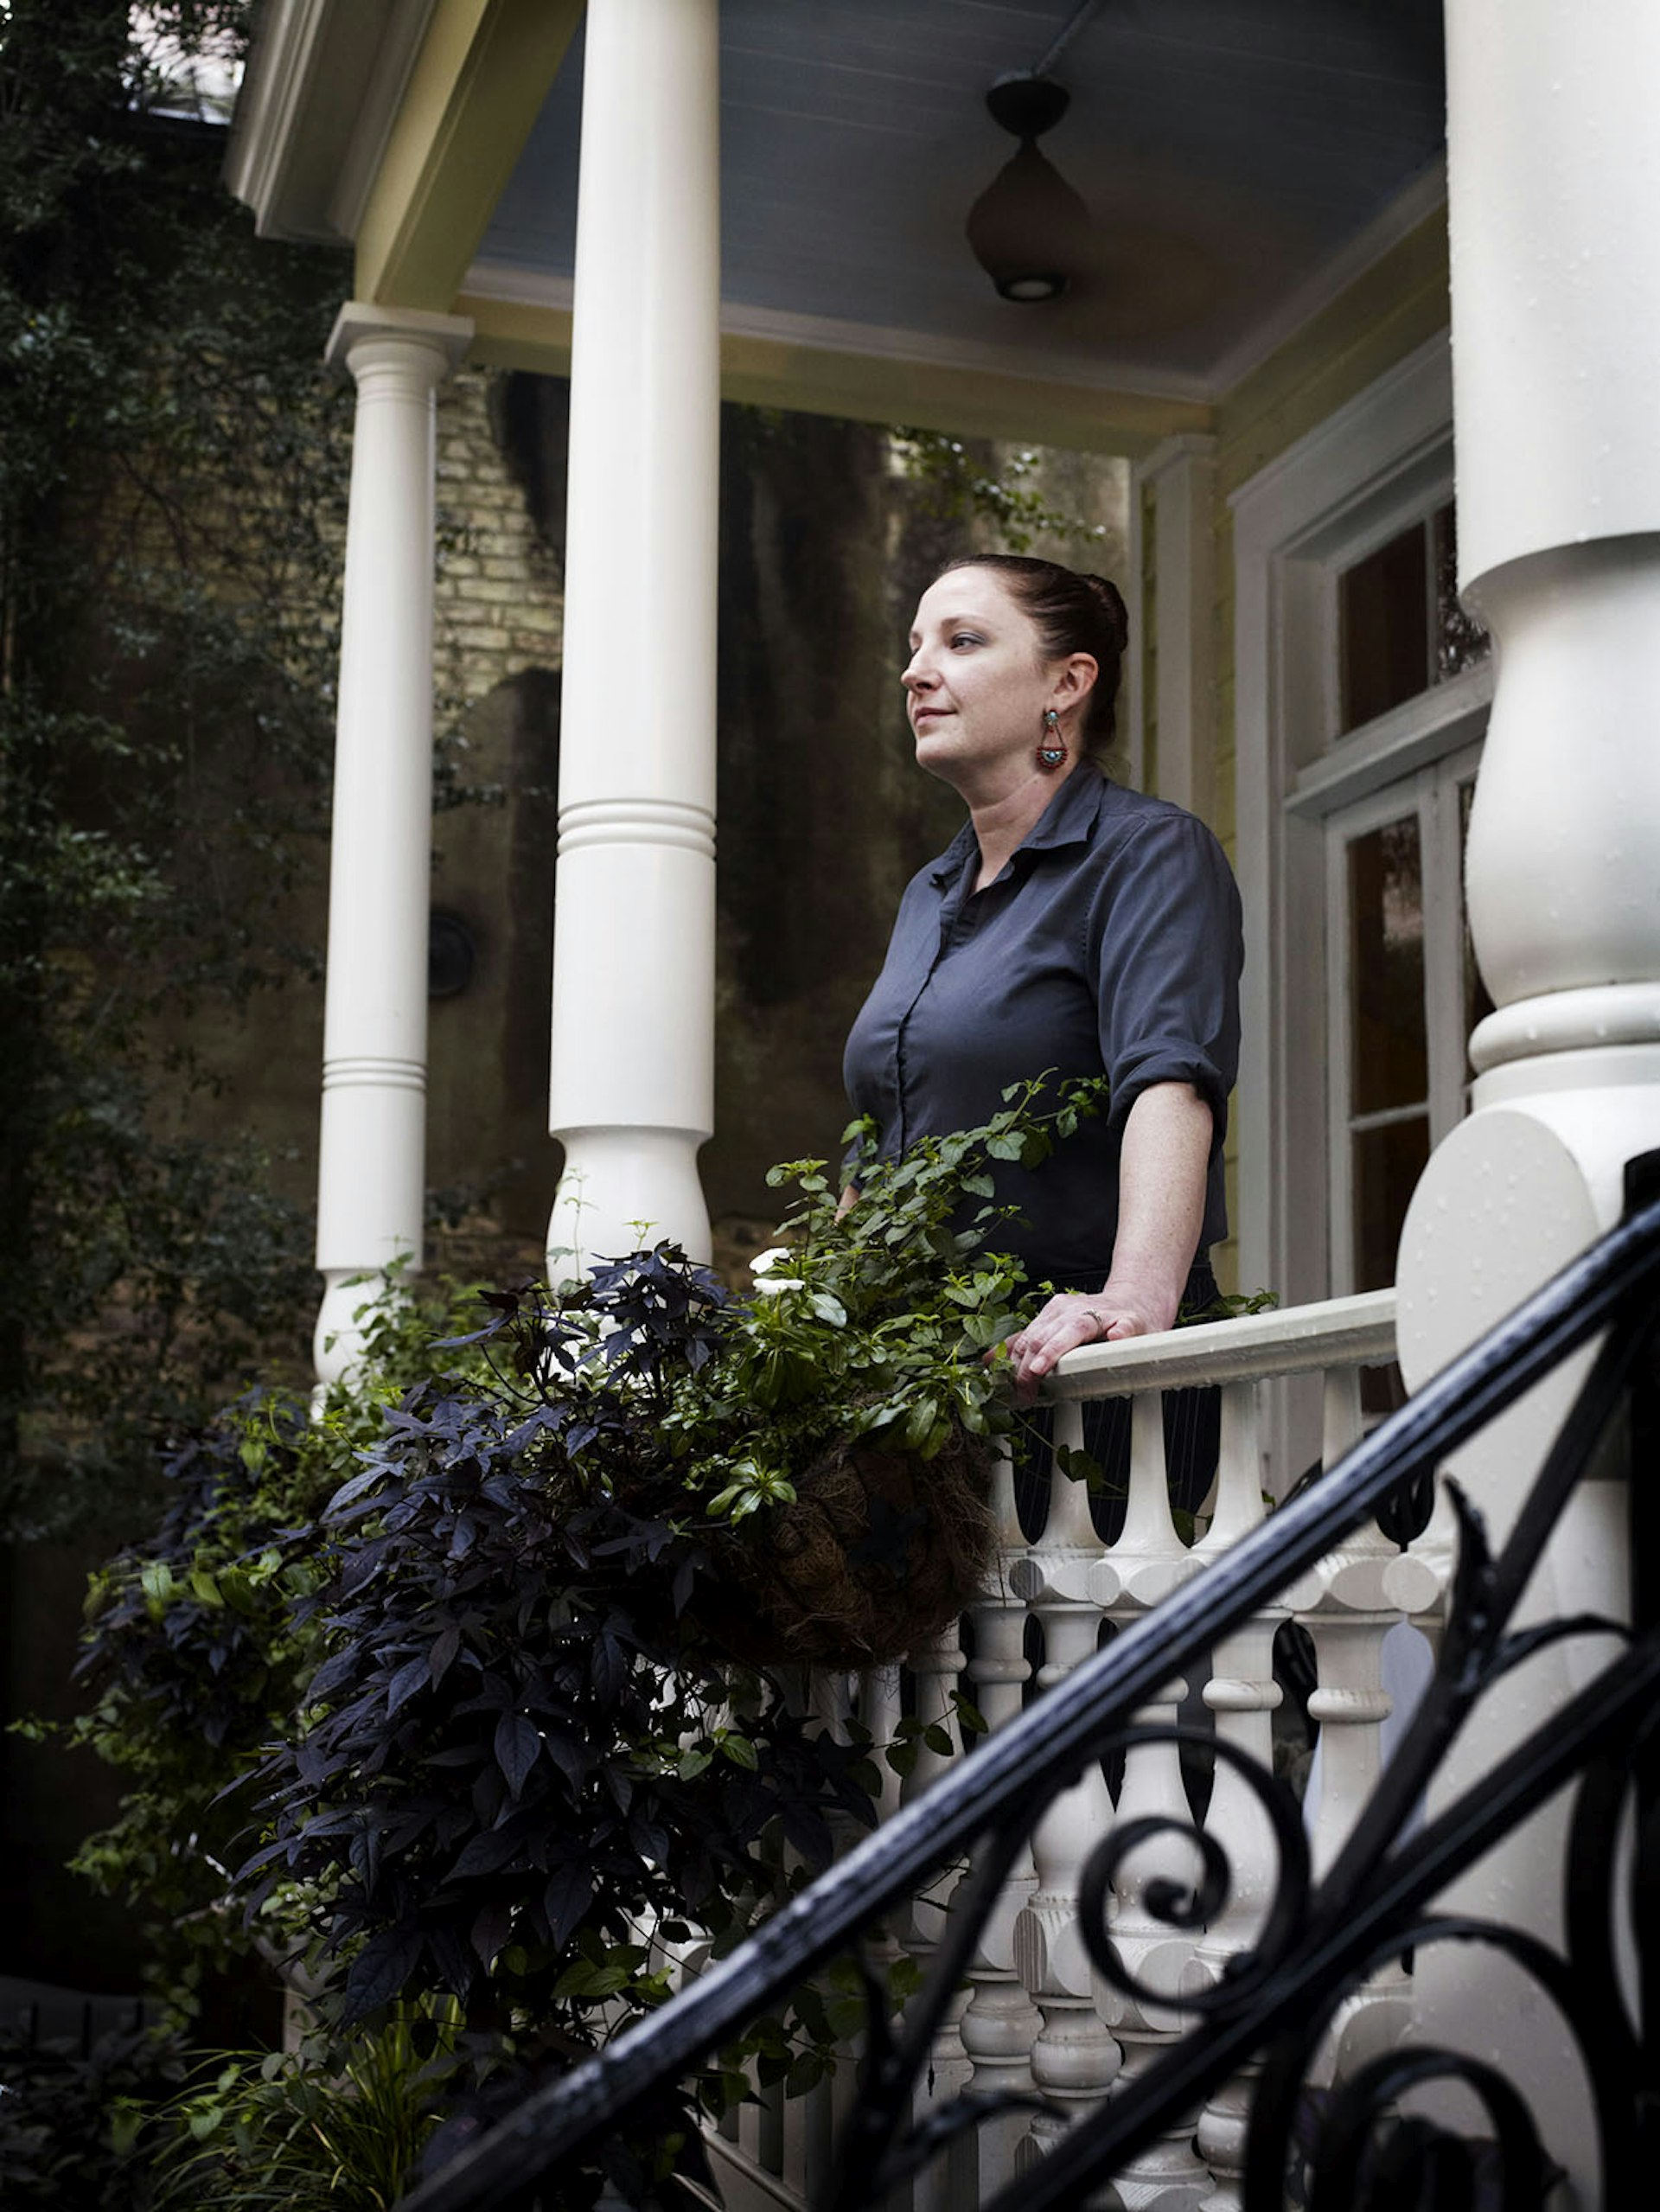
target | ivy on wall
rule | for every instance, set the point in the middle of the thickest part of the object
(174, 456)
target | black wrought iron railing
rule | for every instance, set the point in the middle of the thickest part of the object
(1317, 1941)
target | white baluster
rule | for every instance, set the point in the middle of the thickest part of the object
(1242, 1694)
(747, 2117)
(1418, 1583)
(1149, 1560)
(1345, 1603)
(809, 2134)
(881, 1705)
(1075, 2060)
(934, 1668)
(770, 2128)
(1001, 2023)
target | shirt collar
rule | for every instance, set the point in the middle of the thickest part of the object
(1069, 819)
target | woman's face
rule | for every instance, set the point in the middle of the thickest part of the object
(978, 685)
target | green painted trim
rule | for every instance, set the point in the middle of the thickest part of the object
(478, 87)
(509, 334)
(866, 388)
(1387, 313)
(1400, 301)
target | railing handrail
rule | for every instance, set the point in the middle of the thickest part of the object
(1055, 1734)
(1357, 1332)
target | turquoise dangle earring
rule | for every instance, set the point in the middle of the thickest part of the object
(1051, 751)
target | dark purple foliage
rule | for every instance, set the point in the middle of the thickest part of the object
(520, 1755)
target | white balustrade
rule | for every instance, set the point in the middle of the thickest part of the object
(1034, 2014)
(1333, 1340)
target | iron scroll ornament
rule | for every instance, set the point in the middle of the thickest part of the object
(1373, 1901)
(1370, 1906)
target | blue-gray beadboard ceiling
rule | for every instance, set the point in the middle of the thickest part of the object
(1230, 151)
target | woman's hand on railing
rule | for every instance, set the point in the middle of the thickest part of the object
(1072, 1319)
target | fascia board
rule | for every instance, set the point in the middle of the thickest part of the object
(313, 65)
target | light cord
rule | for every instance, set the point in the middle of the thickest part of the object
(1065, 37)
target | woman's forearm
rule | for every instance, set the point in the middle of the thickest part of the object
(1161, 1181)
(1161, 1177)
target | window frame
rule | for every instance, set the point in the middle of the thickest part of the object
(1430, 792)
(1361, 475)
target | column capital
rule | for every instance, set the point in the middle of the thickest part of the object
(447, 336)
(1182, 445)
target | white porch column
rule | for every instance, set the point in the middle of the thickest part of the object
(371, 1170)
(632, 1047)
(1554, 182)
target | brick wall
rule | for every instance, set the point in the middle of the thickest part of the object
(498, 602)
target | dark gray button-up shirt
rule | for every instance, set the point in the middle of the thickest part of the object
(1111, 942)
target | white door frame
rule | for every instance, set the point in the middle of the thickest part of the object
(1347, 487)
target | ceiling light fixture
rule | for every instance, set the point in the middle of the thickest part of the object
(1029, 229)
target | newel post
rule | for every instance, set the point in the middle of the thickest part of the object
(632, 1045)
(1554, 175)
(371, 1173)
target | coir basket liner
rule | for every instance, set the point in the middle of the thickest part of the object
(881, 1551)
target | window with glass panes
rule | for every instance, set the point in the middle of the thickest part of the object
(1405, 994)
(1400, 627)
(1403, 990)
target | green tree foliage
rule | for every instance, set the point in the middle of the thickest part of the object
(172, 451)
(63, 2140)
(195, 1657)
(961, 480)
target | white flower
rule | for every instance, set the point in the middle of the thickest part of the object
(761, 1267)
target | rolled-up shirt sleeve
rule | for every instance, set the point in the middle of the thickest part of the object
(1167, 949)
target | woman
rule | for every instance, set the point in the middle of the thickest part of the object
(1072, 925)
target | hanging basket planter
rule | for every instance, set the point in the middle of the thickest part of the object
(807, 1468)
(880, 1552)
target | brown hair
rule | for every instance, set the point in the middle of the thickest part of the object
(1072, 613)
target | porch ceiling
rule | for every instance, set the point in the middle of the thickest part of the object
(1238, 157)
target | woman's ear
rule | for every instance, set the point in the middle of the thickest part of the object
(1076, 679)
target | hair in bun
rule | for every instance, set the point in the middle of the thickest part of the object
(1073, 613)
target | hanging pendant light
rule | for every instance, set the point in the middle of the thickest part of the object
(1029, 229)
